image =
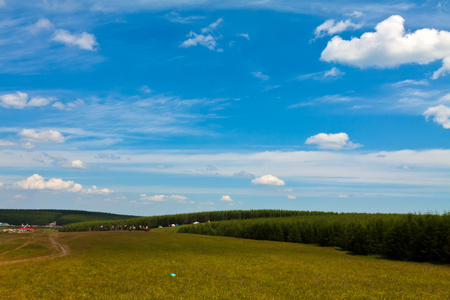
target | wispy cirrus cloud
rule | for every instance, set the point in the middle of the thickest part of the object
(332, 74)
(173, 16)
(331, 27)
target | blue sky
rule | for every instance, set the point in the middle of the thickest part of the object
(156, 107)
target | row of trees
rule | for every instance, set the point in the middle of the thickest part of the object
(412, 237)
(62, 217)
(189, 218)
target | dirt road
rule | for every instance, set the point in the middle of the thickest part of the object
(57, 249)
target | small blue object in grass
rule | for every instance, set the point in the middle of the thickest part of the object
(173, 275)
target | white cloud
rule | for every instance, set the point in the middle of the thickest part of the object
(144, 198)
(40, 25)
(226, 198)
(334, 72)
(145, 89)
(78, 164)
(268, 180)
(155, 198)
(260, 76)
(45, 136)
(389, 46)
(37, 182)
(355, 14)
(175, 17)
(244, 35)
(94, 190)
(20, 100)
(243, 174)
(410, 82)
(178, 197)
(17, 100)
(4, 143)
(1, 184)
(84, 40)
(332, 141)
(291, 197)
(68, 106)
(212, 26)
(40, 101)
(441, 114)
(330, 27)
(28, 145)
(199, 39)
(205, 39)
(59, 105)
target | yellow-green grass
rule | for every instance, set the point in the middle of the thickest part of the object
(138, 265)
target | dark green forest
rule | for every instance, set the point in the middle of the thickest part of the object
(46, 216)
(411, 237)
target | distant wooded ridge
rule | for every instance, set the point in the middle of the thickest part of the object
(61, 216)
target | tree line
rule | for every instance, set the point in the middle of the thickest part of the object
(411, 237)
(189, 218)
(62, 217)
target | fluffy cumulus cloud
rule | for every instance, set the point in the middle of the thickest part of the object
(226, 198)
(268, 180)
(332, 141)
(330, 27)
(20, 100)
(389, 46)
(96, 191)
(37, 182)
(78, 164)
(84, 40)
(206, 38)
(440, 115)
(44, 136)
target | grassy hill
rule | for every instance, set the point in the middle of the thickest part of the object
(138, 265)
(413, 237)
(61, 216)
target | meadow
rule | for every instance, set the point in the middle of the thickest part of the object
(138, 265)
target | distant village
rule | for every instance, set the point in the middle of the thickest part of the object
(8, 228)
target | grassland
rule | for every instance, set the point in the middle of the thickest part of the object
(137, 265)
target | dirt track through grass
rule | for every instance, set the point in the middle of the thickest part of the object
(50, 240)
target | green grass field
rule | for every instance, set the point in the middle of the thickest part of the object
(138, 265)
